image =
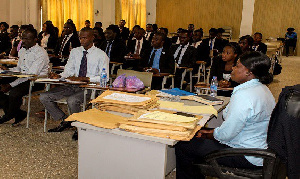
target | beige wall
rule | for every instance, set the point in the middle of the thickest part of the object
(203, 13)
(272, 18)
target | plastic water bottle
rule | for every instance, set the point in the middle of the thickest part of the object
(214, 86)
(103, 78)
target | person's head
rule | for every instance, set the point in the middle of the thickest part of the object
(191, 27)
(179, 30)
(70, 21)
(86, 37)
(111, 32)
(122, 23)
(184, 37)
(87, 23)
(98, 33)
(252, 65)
(139, 34)
(29, 38)
(149, 28)
(197, 35)
(290, 30)
(220, 31)
(213, 33)
(246, 42)
(68, 28)
(14, 31)
(3, 27)
(135, 29)
(98, 24)
(231, 52)
(48, 27)
(257, 37)
(164, 31)
(158, 40)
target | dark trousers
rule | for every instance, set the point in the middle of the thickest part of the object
(12, 102)
(290, 43)
(191, 152)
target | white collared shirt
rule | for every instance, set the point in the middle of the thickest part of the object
(147, 35)
(96, 61)
(136, 44)
(182, 52)
(34, 60)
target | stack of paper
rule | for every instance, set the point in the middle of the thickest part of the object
(125, 102)
(161, 124)
(204, 99)
(98, 118)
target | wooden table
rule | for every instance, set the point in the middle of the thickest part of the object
(115, 153)
(202, 88)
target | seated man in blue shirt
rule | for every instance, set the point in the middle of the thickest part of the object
(157, 59)
(290, 40)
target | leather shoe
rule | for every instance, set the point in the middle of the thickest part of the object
(4, 119)
(75, 135)
(19, 118)
(62, 126)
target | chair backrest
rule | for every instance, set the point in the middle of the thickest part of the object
(145, 77)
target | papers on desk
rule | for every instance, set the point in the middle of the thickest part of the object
(125, 102)
(204, 99)
(46, 80)
(161, 124)
(98, 118)
(180, 107)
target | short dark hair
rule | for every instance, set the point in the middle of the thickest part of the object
(258, 33)
(220, 30)
(185, 31)
(199, 30)
(5, 25)
(100, 23)
(87, 29)
(123, 20)
(15, 27)
(214, 30)
(32, 31)
(235, 46)
(259, 64)
(88, 21)
(114, 28)
(165, 29)
(163, 36)
(192, 25)
(248, 38)
(25, 27)
(149, 24)
(291, 29)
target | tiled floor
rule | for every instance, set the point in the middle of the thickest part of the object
(31, 153)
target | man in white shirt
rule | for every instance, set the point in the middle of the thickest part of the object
(33, 59)
(85, 64)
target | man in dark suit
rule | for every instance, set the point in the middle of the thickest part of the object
(65, 43)
(149, 32)
(220, 41)
(157, 60)
(257, 44)
(124, 31)
(5, 44)
(136, 47)
(214, 44)
(184, 55)
(168, 42)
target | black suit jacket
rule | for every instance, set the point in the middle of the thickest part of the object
(5, 44)
(150, 36)
(131, 46)
(166, 63)
(118, 50)
(261, 48)
(167, 43)
(189, 57)
(66, 50)
(124, 34)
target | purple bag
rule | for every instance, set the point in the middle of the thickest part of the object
(119, 81)
(134, 82)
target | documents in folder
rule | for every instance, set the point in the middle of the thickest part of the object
(98, 118)
(180, 107)
(161, 124)
(204, 99)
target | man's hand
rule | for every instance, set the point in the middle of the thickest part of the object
(84, 79)
(205, 133)
(5, 88)
(136, 56)
(224, 84)
(54, 75)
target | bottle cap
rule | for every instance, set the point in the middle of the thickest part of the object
(214, 77)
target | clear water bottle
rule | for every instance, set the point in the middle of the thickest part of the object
(214, 86)
(103, 78)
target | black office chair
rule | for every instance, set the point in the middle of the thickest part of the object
(282, 157)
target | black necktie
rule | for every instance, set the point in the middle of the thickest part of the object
(178, 55)
(152, 57)
(83, 65)
(62, 45)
